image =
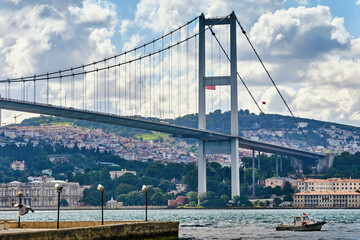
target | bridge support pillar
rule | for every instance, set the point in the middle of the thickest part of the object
(201, 168)
(253, 173)
(259, 161)
(213, 81)
(235, 174)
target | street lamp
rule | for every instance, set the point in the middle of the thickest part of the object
(58, 188)
(145, 189)
(101, 189)
(19, 194)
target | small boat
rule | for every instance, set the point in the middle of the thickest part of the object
(301, 223)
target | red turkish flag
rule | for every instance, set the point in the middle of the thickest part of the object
(210, 87)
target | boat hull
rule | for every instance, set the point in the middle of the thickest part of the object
(310, 227)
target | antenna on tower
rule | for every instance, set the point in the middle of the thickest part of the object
(16, 116)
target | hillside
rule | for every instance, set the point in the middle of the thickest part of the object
(250, 125)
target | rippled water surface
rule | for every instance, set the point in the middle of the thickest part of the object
(222, 224)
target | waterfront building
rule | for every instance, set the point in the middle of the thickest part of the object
(327, 199)
(330, 184)
(180, 199)
(39, 194)
(279, 182)
(113, 204)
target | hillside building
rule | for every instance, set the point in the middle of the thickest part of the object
(18, 165)
(279, 182)
(117, 174)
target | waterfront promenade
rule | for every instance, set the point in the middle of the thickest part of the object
(90, 230)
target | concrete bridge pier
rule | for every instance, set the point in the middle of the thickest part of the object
(235, 174)
(233, 145)
(201, 168)
(253, 173)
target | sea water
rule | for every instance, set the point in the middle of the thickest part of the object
(221, 223)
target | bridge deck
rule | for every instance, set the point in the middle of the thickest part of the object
(176, 131)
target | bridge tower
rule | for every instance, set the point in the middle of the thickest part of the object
(212, 147)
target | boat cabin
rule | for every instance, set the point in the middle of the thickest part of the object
(302, 220)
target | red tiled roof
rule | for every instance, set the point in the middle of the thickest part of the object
(328, 193)
(331, 180)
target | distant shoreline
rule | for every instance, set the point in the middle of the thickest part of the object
(8, 209)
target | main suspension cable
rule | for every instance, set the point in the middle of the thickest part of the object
(102, 60)
(277, 89)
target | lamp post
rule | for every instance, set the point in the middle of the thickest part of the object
(145, 189)
(58, 188)
(101, 189)
(19, 194)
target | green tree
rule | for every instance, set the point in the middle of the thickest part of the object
(104, 174)
(158, 199)
(288, 189)
(236, 201)
(64, 203)
(224, 200)
(277, 202)
(135, 198)
(167, 186)
(288, 198)
(190, 179)
(192, 196)
(124, 188)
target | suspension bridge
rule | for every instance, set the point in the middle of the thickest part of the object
(150, 86)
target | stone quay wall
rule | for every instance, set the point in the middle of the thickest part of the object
(91, 230)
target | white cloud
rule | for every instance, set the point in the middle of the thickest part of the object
(162, 15)
(93, 13)
(40, 37)
(135, 41)
(299, 32)
(358, 2)
(355, 116)
(302, 2)
(124, 26)
(26, 35)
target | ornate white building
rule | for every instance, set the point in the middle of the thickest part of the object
(40, 194)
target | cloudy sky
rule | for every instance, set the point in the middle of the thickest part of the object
(311, 48)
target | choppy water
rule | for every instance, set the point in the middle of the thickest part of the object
(222, 224)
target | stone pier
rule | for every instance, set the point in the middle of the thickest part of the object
(91, 230)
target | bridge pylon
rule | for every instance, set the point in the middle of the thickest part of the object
(226, 146)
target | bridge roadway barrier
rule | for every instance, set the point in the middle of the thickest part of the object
(91, 230)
